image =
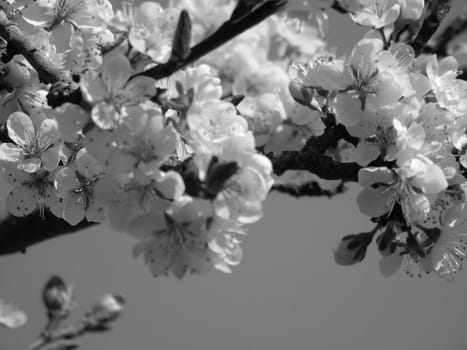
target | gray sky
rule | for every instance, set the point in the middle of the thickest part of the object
(287, 294)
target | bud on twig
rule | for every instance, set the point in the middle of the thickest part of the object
(300, 93)
(58, 298)
(352, 248)
(106, 310)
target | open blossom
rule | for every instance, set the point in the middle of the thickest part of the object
(114, 96)
(414, 186)
(450, 92)
(31, 192)
(137, 195)
(213, 122)
(145, 148)
(82, 14)
(377, 13)
(75, 185)
(34, 146)
(413, 183)
(150, 28)
(450, 249)
(240, 197)
(200, 82)
(173, 241)
(264, 114)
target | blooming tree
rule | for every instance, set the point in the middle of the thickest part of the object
(173, 123)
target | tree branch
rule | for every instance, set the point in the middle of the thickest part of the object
(309, 189)
(19, 43)
(18, 233)
(228, 31)
(311, 157)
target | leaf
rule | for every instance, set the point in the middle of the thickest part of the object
(182, 38)
(10, 315)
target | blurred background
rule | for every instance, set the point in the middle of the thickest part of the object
(288, 293)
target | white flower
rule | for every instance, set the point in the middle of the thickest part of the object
(153, 30)
(75, 184)
(451, 93)
(32, 148)
(449, 251)
(31, 192)
(143, 148)
(377, 13)
(83, 14)
(173, 241)
(115, 98)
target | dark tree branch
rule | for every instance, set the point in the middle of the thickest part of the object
(311, 157)
(309, 189)
(435, 11)
(19, 43)
(17, 234)
(228, 31)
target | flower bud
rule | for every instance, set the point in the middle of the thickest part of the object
(352, 248)
(300, 93)
(58, 297)
(107, 309)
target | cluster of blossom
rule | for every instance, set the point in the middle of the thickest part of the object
(409, 115)
(172, 162)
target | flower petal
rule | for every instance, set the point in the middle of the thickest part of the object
(390, 264)
(9, 152)
(74, 212)
(20, 129)
(65, 181)
(10, 315)
(372, 202)
(92, 87)
(30, 165)
(48, 133)
(116, 71)
(22, 200)
(95, 211)
(50, 158)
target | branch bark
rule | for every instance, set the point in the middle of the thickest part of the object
(309, 189)
(19, 233)
(19, 43)
(228, 31)
(311, 157)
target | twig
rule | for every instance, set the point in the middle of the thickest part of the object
(69, 332)
(225, 33)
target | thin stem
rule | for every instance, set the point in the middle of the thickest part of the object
(69, 332)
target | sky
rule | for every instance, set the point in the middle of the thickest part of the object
(288, 293)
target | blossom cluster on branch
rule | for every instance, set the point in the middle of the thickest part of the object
(167, 124)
